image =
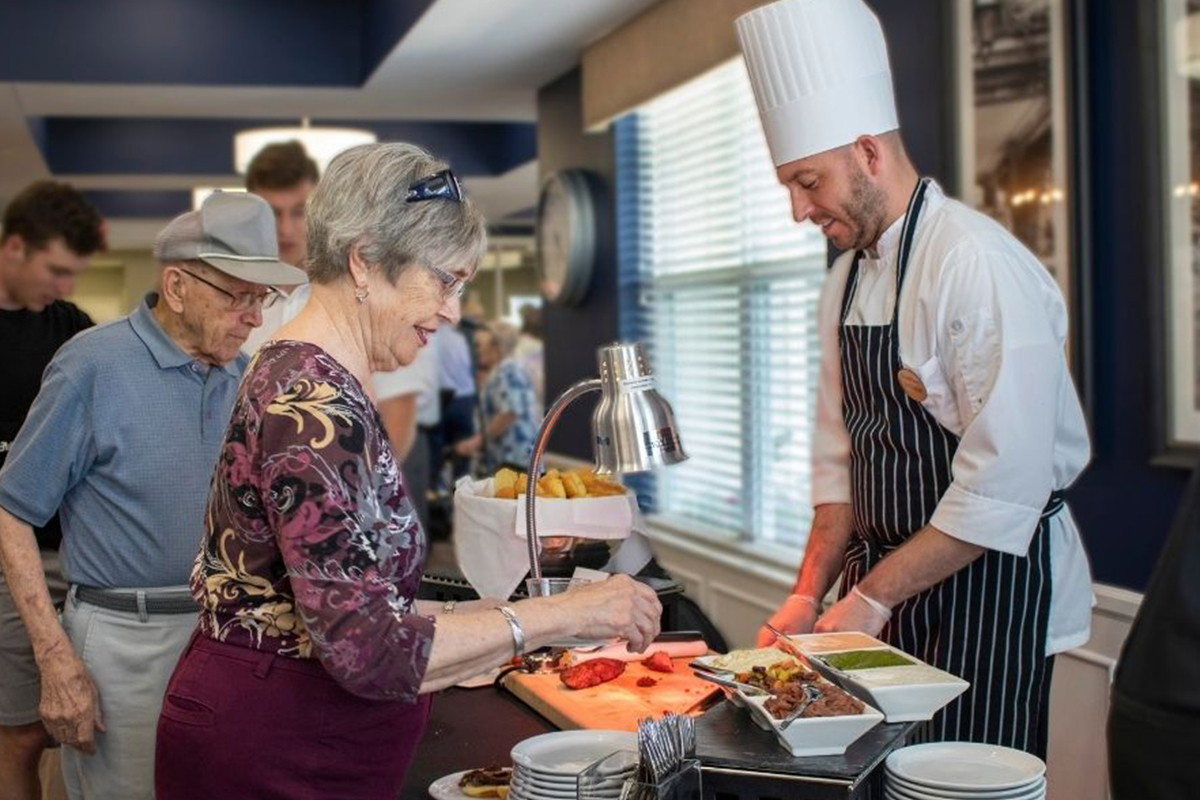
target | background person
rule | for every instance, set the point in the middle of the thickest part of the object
(48, 234)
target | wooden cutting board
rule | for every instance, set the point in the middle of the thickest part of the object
(616, 705)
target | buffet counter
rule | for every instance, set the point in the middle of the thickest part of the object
(475, 727)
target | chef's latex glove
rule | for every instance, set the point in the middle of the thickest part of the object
(796, 615)
(855, 612)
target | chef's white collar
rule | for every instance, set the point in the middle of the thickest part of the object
(889, 240)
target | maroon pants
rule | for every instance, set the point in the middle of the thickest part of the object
(239, 723)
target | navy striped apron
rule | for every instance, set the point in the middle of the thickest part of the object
(988, 622)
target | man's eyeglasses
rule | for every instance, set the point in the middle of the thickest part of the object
(242, 301)
(452, 286)
(442, 185)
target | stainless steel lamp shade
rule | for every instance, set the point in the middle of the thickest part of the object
(633, 427)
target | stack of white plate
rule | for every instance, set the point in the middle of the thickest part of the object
(964, 771)
(547, 767)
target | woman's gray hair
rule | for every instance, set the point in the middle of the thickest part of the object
(361, 202)
(505, 336)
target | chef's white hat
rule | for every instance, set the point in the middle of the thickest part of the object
(820, 74)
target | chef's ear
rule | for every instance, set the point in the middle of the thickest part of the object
(872, 154)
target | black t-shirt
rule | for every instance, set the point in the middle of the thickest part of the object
(1160, 664)
(28, 340)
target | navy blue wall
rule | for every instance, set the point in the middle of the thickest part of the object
(1123, 503)
(572, 334)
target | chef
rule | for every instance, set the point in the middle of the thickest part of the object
(947, 425)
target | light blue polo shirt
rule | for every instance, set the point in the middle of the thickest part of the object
(121, 441)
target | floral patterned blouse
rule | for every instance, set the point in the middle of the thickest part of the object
(509, 388)
(311, 547)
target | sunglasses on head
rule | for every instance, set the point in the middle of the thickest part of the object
(442, 185)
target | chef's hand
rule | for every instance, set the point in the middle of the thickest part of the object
(855, 612)
(70, 705)
(797, 615)
(618, 607)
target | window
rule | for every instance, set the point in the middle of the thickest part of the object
(723, 287)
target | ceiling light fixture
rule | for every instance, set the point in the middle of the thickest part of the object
(322, 143)
(201, 193)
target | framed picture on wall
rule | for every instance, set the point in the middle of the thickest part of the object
(1177, 204)
(1021, 150)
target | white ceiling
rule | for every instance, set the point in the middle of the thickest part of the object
(464, 60)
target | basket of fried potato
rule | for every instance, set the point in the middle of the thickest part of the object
(573, 505)
(576, 484)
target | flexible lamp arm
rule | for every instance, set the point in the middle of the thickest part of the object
(535, 463)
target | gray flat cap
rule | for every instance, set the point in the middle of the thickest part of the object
(233, 232)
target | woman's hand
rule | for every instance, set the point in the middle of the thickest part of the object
(619, 607)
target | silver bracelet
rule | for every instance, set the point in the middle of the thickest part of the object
(518, 635)
(448, 606)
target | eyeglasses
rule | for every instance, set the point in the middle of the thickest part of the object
(452, 286)
(242, 301)
(442, 185)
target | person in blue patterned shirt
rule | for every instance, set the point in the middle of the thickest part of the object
(511, 411)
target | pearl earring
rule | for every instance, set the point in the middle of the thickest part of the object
(362, 294)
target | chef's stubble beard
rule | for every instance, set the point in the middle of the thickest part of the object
(865, 210)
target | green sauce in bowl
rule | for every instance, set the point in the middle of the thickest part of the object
(865, 659)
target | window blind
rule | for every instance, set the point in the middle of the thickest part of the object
(723, 287)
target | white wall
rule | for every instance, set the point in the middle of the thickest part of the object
(738, 588)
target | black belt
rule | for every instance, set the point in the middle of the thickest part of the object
(136, 602)
(1054, 505)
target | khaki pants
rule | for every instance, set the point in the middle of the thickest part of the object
(51, 774)
(130, 657)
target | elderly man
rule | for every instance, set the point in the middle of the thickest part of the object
(947, 425)
(121, 441)
(49, 232)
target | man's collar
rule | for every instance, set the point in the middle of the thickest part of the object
(166, 351)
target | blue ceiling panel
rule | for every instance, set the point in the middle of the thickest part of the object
(116, 203)
(202, 42)
(140, 146)
(198, 146)
(384, 23)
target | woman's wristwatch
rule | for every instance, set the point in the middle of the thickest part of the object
(518, 635)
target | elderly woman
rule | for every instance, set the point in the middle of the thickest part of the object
(311, 671)
(508, 402)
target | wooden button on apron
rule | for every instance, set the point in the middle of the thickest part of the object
(911, 383)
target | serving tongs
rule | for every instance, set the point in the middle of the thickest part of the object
(811, 695)
(719, 677)
(785, 643)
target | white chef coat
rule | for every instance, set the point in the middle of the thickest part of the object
(421, 378)
(275, 317)
(983, 324)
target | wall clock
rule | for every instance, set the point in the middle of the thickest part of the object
(566, 236)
